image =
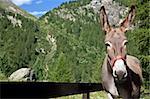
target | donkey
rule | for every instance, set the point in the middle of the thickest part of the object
(121, 73)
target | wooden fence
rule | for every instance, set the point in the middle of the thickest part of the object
(46, 89)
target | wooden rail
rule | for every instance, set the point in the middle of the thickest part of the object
(46, 89)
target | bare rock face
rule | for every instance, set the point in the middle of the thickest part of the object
(113, 9)
(23, 74)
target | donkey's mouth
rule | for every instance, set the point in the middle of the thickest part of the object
(121, 77)
(117, 80)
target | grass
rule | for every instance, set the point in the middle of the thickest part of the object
(93, 95)
(2, 77)
(103, 95)
(145, 94)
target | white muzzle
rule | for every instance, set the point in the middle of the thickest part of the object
(119, 69)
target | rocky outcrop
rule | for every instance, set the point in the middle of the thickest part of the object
(113, 9)
(23, 74)
(14, 21)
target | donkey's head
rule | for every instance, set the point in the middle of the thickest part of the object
(115, 41)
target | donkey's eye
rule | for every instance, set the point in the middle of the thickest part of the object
(125, 43)
(108, 44)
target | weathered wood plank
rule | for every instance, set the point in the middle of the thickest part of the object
(45, 89)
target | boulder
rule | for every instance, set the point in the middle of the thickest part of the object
(23, 74)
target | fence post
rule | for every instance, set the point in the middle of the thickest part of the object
(86, 96)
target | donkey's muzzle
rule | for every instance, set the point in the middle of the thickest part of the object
(120, 74)
(119, 69)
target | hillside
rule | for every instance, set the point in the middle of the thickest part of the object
(67, 43)
(10, 7)
(80, 48)
(18, 34)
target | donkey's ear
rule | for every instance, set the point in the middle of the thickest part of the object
(104, 20)
(128, 20)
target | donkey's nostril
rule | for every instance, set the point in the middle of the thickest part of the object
(114, 74)
(120, 74)
(125, 75)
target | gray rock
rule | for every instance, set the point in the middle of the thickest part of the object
(113, 9)
(23, 74)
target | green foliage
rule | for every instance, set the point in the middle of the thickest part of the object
(17, 44)
(2, 76)
(80, 41)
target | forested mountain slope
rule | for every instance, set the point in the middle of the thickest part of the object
(67, 43)
(18, 32)
(80, 48)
